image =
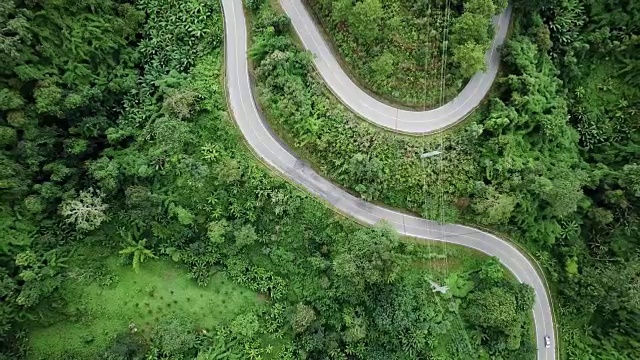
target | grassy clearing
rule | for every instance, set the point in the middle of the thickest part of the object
(444, 262)
(440, 258)
(97, 313)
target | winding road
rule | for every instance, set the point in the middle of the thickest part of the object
(268, 147)
(379, 113)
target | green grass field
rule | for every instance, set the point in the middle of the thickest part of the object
(160, 289)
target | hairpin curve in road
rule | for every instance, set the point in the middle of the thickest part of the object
(266, 145)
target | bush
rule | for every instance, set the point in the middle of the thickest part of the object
(8, 136)
(174, 335)
(254, 5)
(245, 325)
(124, 346)
(302, 318)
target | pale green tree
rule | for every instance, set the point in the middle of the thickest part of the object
(87, 211)
(246, 325)
(8, 136)
(181, 103)
(245, 235)
(492, 308)
(174, 336)
(365, 20)
(470, 58)
(470, 27)
(486, 8)
(382, 67)
(302, 318)
(341, 10)
(494, 207)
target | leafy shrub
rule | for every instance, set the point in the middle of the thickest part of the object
(125, 346)
(245, 325)
(254, 5)
(174, 335)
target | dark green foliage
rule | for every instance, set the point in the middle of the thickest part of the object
(169, 178)
(125, 346)
(66, 68)
(69, 74)
(493, 308)
(498, 311)
(254, 4)
(121, 102)
(598, 267)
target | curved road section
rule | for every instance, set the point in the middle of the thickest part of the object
(270, 149)
(377, 112)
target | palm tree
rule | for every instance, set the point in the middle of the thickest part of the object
(140, 253)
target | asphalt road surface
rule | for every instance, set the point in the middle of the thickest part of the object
(274, 153)
(377, 112)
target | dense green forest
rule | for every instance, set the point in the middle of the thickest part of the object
(134, 223)
(552, 158)
(396, 50)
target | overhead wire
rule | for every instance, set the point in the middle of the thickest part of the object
(443, 98)
(428, 62)
(445, 41)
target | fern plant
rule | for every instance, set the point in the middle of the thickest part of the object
(138, 249)
(221, 350)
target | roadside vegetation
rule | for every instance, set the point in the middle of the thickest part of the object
(551, 159)
(511, 153)
(135, 224)
(396, 49)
